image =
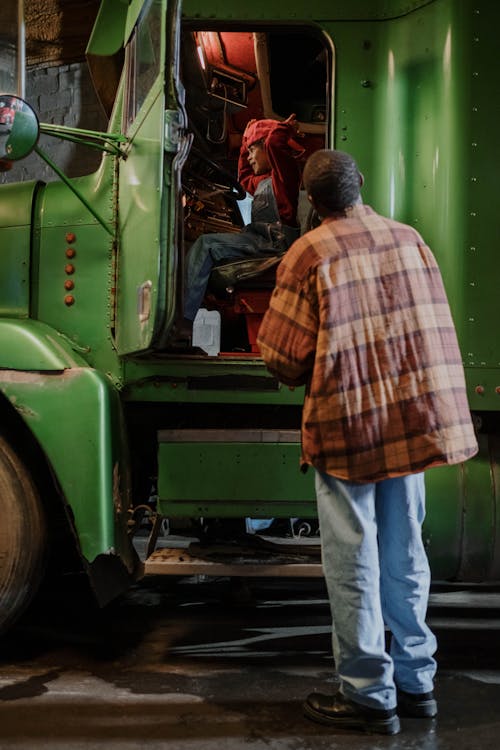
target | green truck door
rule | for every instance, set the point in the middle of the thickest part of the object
(146, 259)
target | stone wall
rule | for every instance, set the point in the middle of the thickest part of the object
(61, 95)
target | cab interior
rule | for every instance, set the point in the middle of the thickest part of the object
(229, 77)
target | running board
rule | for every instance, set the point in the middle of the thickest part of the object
(217, 562)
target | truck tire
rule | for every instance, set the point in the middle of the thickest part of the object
(23, 536)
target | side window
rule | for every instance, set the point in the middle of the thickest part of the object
(294, 68)
(142, 59)
(298, 75)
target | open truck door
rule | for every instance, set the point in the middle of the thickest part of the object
(147, 273)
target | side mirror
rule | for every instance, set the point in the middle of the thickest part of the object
(19, 128)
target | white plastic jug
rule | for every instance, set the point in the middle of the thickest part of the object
(206, 331)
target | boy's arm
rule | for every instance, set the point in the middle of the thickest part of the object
(285, 171)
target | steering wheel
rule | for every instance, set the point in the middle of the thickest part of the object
(217, 173)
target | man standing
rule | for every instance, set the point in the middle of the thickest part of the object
(359, 314)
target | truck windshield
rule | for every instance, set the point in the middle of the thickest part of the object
(143, 52)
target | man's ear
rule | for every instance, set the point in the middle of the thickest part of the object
(361, 179)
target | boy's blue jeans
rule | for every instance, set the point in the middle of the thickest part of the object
(377, 573)
(210, 249)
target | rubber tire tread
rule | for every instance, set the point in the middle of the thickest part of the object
(23, 536)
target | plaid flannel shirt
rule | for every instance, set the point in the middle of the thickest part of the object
(360, 315)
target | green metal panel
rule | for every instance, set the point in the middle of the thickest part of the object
(205, 477)
(71, 248)
(15, 247)
(140, 211)
(31, 346)
(109, 29)
(320, 9)
(134, 10)
(57, 205)
(443, 526)
(484, 384)
(16, 203)
(417, 108)
(413, 125)
(418, 120)
(355, 91)
(14, 271)
(479, 519)
(462, 527)
(233, 479)
(224, 381)
(481, 242)
(76, 417)
(422, 119)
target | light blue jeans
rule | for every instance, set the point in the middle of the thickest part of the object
(377, 574)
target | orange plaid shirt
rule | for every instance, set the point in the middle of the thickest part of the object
(360, 315)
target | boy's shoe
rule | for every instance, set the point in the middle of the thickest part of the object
(417, 705)
(338, 711)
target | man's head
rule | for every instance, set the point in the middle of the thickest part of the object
(257, 158)
(332, 181)
(254, 138)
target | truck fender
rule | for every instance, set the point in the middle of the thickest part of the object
(74, 413)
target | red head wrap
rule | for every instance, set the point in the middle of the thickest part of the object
(258, 130)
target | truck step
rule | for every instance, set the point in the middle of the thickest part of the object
(228, 560)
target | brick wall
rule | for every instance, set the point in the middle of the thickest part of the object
(61, 95)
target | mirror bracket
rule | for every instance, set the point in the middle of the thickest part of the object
(73, 189)
(108, 142)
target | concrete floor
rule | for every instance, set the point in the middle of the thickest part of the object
(205, 666)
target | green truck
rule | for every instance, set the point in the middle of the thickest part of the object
(105, 430)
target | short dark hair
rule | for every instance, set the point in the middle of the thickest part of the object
(332, 179)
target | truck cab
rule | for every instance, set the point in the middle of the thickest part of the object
(107, 429)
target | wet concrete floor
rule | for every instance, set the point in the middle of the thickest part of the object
(205, 665)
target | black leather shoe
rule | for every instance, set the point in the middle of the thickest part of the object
(340, 712)
(417, 705)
